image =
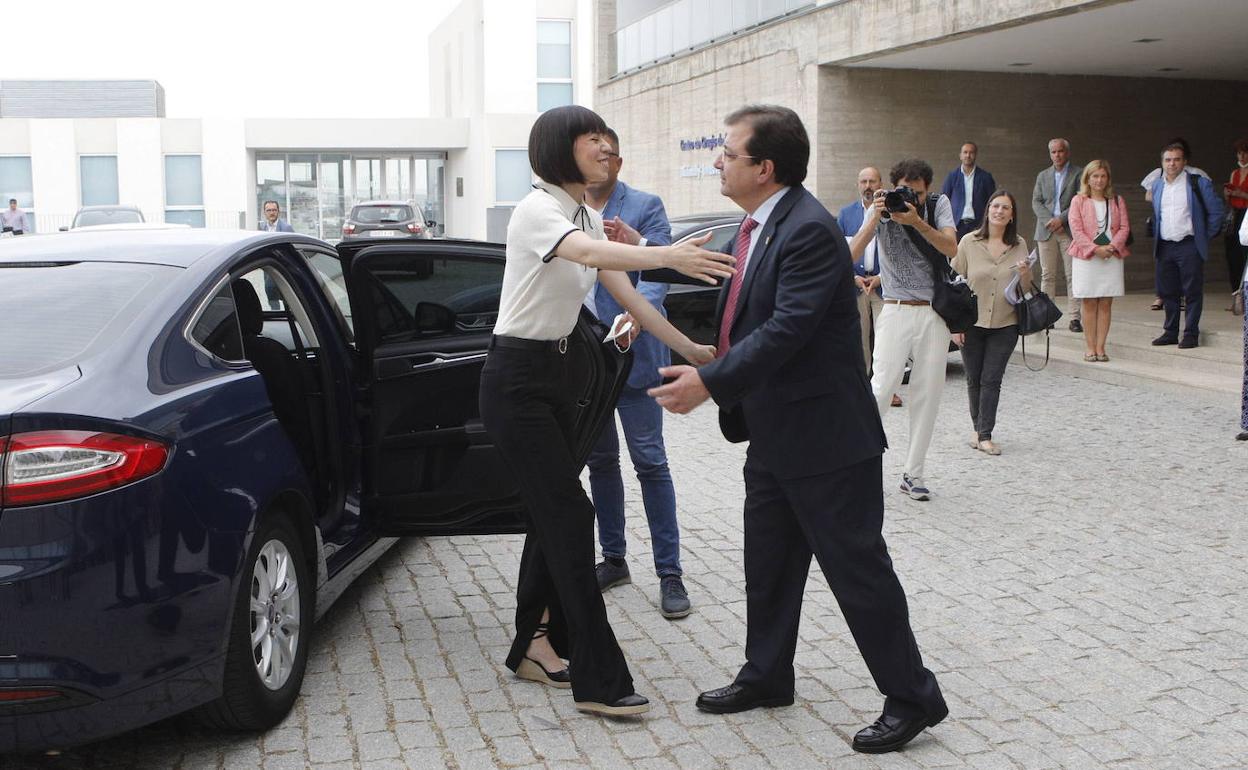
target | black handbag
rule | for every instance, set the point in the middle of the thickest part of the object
(1036, 312)
(952, 298)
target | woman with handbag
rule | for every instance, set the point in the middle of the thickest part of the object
(1098, 242)
(988, 258)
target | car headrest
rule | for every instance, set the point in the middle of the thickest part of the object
(250, 316)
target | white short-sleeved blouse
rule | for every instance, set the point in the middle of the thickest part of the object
(542, 294)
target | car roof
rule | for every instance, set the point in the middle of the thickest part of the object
(177, 247)
(385, 203)
(111, 207)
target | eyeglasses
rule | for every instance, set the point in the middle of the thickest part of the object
(726, 155)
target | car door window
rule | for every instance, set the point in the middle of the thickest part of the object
(286, 319)
(414, 298)
(327, 269)
(216, 330)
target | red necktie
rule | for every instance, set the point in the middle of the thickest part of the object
(741, 252)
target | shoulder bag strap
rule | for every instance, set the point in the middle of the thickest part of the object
(1023, 338)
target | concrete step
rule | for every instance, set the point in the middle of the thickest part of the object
(1123, 369)
(1216, 354)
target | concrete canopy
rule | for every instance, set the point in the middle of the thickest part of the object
(1193, 39)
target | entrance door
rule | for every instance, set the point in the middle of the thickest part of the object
(424, 317)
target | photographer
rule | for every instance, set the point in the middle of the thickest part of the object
(908, 327)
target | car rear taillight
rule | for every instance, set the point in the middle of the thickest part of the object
(32, 695)
(414, 228)
(48, 466)
(348, 228)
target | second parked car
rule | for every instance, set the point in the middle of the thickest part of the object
(386, 219)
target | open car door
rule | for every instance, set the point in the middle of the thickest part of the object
(424, 315)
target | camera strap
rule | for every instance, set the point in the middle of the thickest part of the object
(940, 265)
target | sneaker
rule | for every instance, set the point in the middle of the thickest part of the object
(673, 599)
(612, 573)
(915, 488)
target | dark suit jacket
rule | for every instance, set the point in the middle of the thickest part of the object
(982, 188)
(793, 381)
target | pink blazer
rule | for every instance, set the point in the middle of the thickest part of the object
(1083, 227)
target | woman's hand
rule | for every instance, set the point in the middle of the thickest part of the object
(698, 354)
(694, 261)
(1023, 267)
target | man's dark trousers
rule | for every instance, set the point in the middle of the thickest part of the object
(838, 517)
(1181, 273)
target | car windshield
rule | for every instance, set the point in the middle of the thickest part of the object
(372, 215)
(56, 314)
(106, 217)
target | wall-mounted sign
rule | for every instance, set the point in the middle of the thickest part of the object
(698, 172)
(702, 143)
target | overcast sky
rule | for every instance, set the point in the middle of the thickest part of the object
(228, 58)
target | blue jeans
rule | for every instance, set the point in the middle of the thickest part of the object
(642, 419)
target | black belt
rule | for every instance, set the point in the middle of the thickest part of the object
(559, 346)
(966, 219)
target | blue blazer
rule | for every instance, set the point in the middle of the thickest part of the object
(850, 221)
(793, 381)
(643, 212)
(1213, 213)
(982, 188)
(282, 226)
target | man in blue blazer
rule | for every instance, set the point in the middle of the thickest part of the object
(968, 210)
(790, 379)
(273, 221)
(636, 217)
(1186, 214)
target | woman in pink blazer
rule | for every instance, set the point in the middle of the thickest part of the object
(1098, 242)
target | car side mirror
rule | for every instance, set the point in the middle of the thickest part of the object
(432, 318)
(64, 228)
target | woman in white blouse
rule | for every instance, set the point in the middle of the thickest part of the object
(1098, 242)
(556, 249)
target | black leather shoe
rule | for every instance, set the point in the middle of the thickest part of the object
(890, 733)
(737, 697)
(1189, 342)
(1166, 339)
(1243, 436)
(1076, 326)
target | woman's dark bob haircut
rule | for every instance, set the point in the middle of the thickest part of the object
(1010, 237)
(553, 137)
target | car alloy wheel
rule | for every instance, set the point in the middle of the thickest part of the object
(274, 614)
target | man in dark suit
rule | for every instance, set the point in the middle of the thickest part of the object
(968, 189)
(790, 379)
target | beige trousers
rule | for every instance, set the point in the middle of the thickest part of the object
(1052, 252)
(869, 304)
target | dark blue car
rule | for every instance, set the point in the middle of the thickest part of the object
(206, 436)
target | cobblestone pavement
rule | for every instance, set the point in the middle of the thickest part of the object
(1080, 598)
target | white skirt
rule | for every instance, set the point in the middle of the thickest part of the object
(1096, 277)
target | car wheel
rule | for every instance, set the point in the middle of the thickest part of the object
(269, 633)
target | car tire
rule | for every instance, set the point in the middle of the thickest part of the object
(262, 679)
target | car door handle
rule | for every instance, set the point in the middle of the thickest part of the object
(434, 360)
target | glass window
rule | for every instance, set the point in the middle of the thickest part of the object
(192, 217)
(327, 269)
(304, 212)
(554, 64)
(217, 330)
(554, 49)
(553, 95)
(56, 314)
(98, 177)
(372, 215)
(413, 297)
(513, 179)
(184, 185)
(270, 183)
(15, 181)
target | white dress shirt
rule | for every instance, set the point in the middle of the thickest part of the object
(760, 216)
(968, 184)
(1176, 213)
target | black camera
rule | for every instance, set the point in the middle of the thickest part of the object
(895, 201)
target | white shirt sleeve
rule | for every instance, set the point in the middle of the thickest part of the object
(538, 226)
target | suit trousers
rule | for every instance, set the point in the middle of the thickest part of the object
(838, 518)
(1053, 251)
(529, 413)
(903, 332)
(1181, 273)
(869, 306)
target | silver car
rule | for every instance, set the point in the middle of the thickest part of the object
(386, 219)
(89, 216)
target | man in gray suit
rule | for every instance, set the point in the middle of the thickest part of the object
(273, 221)
(1055, 187)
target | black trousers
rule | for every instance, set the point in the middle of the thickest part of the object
(1181, 273)
(837, 517)
(1236, 253)
(984, 356)
(528, 414)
